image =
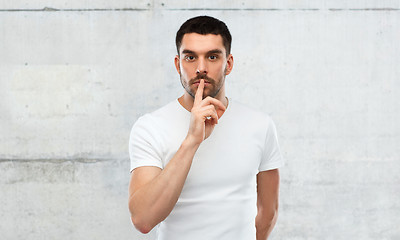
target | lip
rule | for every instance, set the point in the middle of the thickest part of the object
(198, 82)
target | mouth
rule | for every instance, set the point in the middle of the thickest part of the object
(198, 81)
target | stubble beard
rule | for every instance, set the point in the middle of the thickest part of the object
(215, 86)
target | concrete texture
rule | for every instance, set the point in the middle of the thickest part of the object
(75, 75)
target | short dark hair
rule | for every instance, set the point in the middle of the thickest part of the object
(205, 25)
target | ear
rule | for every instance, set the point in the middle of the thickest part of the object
(229, 64)
(176, 60)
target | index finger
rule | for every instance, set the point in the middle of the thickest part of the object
(199, 93)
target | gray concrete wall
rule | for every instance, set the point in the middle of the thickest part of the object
(75, 75)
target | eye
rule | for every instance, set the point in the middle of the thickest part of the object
(213, 57)
(189, 58)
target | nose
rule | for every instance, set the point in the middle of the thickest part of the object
(201, 67)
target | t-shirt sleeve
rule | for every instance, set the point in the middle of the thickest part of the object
(272, 158)
(144, 150)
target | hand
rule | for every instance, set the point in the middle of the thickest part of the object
(204, 115)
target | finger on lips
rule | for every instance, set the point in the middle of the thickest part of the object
(199, 93)
(213, 103)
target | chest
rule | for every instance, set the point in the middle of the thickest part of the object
(225, 165)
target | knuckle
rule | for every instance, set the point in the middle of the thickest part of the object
(209, 99)
(210, 107)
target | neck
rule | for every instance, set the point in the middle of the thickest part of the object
(186, 100)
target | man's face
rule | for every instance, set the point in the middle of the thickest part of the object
(203, 57)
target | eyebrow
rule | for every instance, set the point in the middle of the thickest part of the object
(187, 51)
(214, 51)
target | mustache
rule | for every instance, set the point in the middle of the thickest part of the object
(202, 76)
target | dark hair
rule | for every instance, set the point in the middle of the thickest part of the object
(205, 25)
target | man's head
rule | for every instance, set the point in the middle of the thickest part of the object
(205, 25)
(203, 45)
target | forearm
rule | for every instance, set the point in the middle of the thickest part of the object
(264, 224)
(153, 202)
(267, 202)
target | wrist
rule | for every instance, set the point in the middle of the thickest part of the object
(190, 143)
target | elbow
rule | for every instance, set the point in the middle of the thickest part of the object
(265, 221)
(142, 226)
(140, 222)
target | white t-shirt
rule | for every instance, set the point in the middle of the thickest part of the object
(218, 200)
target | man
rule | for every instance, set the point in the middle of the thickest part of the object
(204, 166)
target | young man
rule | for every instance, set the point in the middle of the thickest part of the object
(204, 166)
